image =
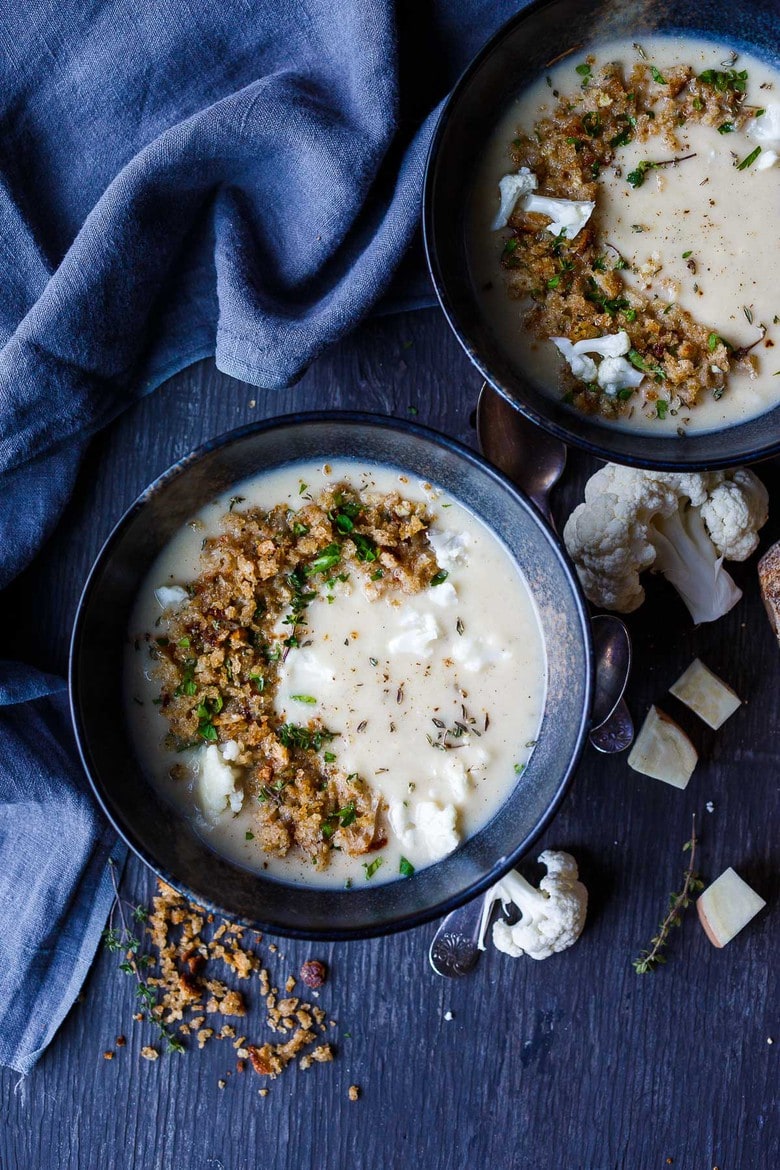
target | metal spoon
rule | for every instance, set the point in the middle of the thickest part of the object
(612, 728)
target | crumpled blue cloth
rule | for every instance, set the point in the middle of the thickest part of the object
(177, 179)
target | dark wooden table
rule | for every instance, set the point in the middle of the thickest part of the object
(574, 1062)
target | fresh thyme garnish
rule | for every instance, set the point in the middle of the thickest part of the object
(650, 958)
(125, 940)
(235, 500)
(636, 178)
(292, 735)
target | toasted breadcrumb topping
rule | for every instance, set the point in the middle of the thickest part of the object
(218, 664)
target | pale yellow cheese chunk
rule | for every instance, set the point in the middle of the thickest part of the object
(706, 694)
(662, 750)
(727, 906)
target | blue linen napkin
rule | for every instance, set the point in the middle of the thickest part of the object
(231, 177)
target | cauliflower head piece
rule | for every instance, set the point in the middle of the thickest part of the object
(681, 524)
(552, 917)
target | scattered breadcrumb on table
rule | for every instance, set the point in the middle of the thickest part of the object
(353, 1092)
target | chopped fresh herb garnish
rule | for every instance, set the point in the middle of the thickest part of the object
(364, 547)
(259, 682)
(637, 177)
(440, 577)
(646, 367)
(302, 488)
(612, 306)
(519, 769)
(291, 735)
(372, 867)
(344, 523)
(459, 627)
(249, 835)
(347, 815)
(183, 641)
(751, 158)
(698, 104)
(300, 529)
(377, 574)
(714, 340)
(405, 868)
(329, 757)
(685, 255)
(591, 124)
(235, 500)
(509, 247)
(657, 77)
(303, 699)
(748, 314)
(553, 282)
(325, 560)
(661, 408)
(625, 393)
(730, 79)
(726, 128)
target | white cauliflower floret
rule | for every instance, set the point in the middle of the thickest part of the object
(613, 372)
(766, 128)
(552, 917)
(733, 513)
(511, 188)
(681, 524)
(568, 216)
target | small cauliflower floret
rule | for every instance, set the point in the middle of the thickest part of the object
(568, 216)
(444, 595)
(427, 829)
(217, 783)
(418, 631)
(451, 548)
(582, 366)
(613, 373)
(766, 160)
(680, 524)
(616, 374)
(512, 188)
(766, 129)
(170, 595)
(476, 653)
(552, 917)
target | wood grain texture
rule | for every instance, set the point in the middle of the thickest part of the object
(575, 1062)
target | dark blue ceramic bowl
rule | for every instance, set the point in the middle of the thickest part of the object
(160, 836)
(518, 53)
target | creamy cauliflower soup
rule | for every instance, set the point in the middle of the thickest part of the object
(336, 672)
(623, 234)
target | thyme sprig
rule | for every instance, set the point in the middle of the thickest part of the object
(652, 957)
(134, 963)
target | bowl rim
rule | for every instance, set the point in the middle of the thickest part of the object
(564, 433)
(402, 921)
